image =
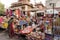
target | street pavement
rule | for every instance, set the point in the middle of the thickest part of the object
(4, 36)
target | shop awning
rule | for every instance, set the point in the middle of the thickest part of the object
(50, 11)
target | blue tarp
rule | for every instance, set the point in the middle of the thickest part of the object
(22, 22)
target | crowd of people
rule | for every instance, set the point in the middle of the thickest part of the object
(35, 25)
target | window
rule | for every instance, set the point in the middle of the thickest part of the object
(29, 0)
(23, 8)
(24, 12)
(51, 4)
(20, 0)
(40, 14)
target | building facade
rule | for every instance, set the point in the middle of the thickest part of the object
(23, 5)
(41, 9)
(56, 4)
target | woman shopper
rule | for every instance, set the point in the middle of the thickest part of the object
(11, 27)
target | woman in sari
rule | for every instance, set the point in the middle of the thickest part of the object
(11, 27)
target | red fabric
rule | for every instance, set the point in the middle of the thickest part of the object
(11, 30)
(7, 12)
(10, 12)
(1, 20)
(18, 13)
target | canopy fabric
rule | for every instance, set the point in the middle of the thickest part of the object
(27, 30)
(39, 11)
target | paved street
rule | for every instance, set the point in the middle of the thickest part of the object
(4, 36)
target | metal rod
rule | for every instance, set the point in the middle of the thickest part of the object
(52, 19)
